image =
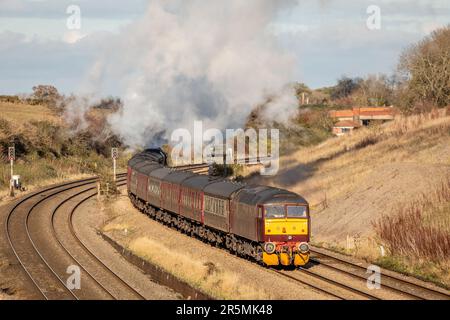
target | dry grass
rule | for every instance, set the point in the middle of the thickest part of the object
(420, 230)
(35, 171)
(23, 113)
(338, 165)
(47, 150)
(204, 275)
(351, 181)
(5, 197)
(116, 227)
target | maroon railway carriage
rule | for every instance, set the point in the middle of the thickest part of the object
(171, 190)
(155, 178)
(268, 224)
(192, 197)
(217, 197)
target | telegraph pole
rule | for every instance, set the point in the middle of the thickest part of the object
(225, 173)
(225, 168)
(11, 157)
(114, 155)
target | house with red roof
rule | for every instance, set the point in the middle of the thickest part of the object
(351, 119)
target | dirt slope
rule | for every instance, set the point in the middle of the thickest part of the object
(383, 190)
(353, 180)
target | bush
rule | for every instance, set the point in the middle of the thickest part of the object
(421, 229)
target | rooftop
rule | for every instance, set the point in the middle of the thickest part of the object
(347, 124)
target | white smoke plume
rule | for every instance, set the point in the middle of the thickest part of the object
(193, 60)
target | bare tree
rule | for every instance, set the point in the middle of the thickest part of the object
(345, 87)
(424, 70)
(374, 90)
(46, 94)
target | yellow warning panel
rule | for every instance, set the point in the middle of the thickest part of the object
(301, 259)
(270, 259)
(286, 227)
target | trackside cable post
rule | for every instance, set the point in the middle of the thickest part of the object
(11, 157)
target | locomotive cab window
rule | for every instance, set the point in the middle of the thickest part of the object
(274, 212)
(296, 211)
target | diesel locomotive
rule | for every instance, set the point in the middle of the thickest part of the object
(269, 225)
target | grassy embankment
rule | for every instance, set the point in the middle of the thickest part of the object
(48, 149)
(418, 236)
(384, 185)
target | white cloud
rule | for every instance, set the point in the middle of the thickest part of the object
(73, 36)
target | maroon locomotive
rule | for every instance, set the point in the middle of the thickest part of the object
(269, 225)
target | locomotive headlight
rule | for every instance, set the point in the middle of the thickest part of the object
(303, 247)
(269, 247)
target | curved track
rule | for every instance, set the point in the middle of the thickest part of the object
(41, 234)
(44, 251)
(390, 281)
(342, 279)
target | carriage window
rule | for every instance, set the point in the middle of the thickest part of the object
(215, 206)
(154, 187)
(296, 211)
(275, 212)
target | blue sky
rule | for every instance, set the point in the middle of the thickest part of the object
(328, 38)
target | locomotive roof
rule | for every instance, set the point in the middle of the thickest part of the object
(140, 165)
(198, 182)
(147, 163)
(222, 188)
(139, 160)
(177, 176)
(160, 173)
(262, 194)
(148, 167)
(149, 155)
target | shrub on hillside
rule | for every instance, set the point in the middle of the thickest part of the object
(421, 229)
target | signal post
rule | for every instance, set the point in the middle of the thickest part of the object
(11, 157)
(114, 156)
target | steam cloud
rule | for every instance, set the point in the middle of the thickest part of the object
(195, 60)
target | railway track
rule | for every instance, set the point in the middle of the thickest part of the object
(340, 286)
(328, 286)
(389, 280)
(81, 244)
(203, 166)
(37, 254)
(47, 275)
(347, 280)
